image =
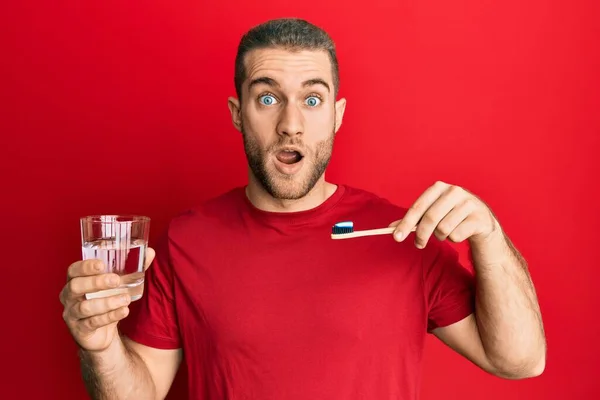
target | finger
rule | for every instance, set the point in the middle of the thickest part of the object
(464, 230)
(434, 215)
(63, 295)
(395, 224)
(79, 286)
(85, 268)
(418, 209)
(150, 254)
(453, 219)
(89, 308)
(98, 321)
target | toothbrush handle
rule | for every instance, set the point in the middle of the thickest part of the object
(368, 232)
(373, 232)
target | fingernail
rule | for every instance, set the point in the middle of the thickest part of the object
(113, 280)
(398, 236)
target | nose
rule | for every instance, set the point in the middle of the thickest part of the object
(291, 121)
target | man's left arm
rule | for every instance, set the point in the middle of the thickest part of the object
(505, 335)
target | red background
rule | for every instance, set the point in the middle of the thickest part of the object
(121, 107)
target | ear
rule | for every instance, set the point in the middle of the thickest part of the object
(236, 114)
(340, 107)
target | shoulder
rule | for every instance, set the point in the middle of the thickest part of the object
(218, 209)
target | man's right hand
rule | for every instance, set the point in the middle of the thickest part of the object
(93, 323)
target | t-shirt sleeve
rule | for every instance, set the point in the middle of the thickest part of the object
(449, 286)
(152, 320)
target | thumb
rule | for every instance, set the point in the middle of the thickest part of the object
(395, 223)
(150, 254)
(400, 228)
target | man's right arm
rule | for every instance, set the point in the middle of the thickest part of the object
(113, 366)
(129, 370)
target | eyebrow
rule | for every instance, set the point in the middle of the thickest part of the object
(316, 81)
(265, 80)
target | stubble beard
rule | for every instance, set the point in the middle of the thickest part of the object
(288, 187)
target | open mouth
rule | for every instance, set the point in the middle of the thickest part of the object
(289, 156)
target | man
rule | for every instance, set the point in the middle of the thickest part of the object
(252, 290)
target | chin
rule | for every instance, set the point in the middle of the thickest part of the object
(288, 187)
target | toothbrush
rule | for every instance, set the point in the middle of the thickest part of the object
(345, 230)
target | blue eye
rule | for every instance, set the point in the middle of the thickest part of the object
(267, 100)
(313, 101)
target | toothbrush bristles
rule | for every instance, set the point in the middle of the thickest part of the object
(336, 230)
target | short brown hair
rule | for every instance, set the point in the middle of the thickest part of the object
(288, 33)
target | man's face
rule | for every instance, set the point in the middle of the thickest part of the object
(288, 117)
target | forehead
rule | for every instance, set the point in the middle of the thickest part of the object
(288, 67)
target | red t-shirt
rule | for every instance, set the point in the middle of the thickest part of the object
(267, 306)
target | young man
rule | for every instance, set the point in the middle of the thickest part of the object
(250, 287)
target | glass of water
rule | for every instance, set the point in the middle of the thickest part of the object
(120, 241)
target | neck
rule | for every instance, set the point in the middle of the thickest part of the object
(262, 200)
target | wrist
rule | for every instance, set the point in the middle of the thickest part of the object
(105, 359)
(491, 238)
(490, 250)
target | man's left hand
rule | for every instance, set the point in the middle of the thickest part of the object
(448, 212)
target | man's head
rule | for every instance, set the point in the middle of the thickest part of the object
(286, 79)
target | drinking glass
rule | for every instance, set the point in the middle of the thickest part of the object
(120, 241)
